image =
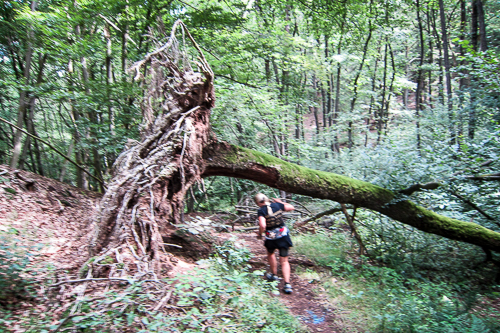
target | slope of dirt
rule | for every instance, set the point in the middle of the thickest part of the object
(38, 210)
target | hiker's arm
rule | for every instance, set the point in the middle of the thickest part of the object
(262, 226)
(287, 208)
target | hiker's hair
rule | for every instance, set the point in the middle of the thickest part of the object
(261, 198)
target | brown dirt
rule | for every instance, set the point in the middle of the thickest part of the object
(40, 210)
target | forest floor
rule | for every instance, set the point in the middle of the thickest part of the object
(54, 222)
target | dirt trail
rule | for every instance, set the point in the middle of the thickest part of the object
(312, 309)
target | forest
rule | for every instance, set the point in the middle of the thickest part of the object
(134, 135)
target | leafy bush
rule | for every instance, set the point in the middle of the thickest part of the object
(418, 298)
(231, 255)
(14, 258)
(220, 295)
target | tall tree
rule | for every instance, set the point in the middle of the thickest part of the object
(447, 68)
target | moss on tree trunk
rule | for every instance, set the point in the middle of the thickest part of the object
(228, 160)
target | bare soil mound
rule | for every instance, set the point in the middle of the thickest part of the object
(40, 210)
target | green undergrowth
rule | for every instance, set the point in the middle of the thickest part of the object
(412, 293)
(221, 295)
(16, 277)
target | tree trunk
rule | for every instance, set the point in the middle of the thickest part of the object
(23, 96)
(355, 83)
(329, 83)
(447, 69)
(228, 160)
(463, 72)
(336, 110)
(420, 78)
(474, 25)
(381, 116)
(315, 108)
(439, 46)
(430, 52)
(323, 107)
(372, 98)
(482, 26)
(391, 90)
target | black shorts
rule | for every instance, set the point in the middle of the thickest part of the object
(283, 244)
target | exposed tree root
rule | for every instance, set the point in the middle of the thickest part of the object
(152, 176)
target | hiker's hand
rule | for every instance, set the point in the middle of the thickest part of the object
(277, 200)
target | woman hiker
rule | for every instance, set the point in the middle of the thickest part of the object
(276, 235)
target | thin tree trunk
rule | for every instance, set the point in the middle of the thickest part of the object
(431, 58)
(448, 74)
(323, 106)
(407, 66)
(462, 80)
(64, 167)
(81, 179)
(267, 67)
(23, 95)
(336, 110)
(298, 120)
(329, 85)
(420, 78)
(381, 113)
(482, 26)
(350, 141)
(391, 86)
(474, 37)
(372, 98)
(109, 80)
(80, 154)
(30, 126)
(315, 108)
(439, 45)
(276, 75)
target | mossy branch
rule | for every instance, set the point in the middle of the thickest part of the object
(228, 160)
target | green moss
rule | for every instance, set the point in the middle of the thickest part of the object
(107, 261)
(462, 230)
(296, 175)
(10, 190)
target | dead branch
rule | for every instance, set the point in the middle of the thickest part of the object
(354, 231)
(317, 216)
(476, 207)
(487, 177)
(419, 187)
(163, 301)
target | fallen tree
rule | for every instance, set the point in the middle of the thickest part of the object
(229, 160)
(177, 149)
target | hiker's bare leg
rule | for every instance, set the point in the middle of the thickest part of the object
(285, 268)
(272, 262)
